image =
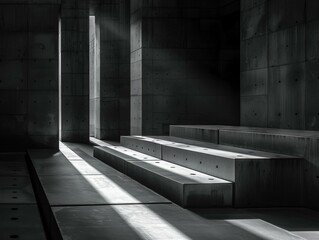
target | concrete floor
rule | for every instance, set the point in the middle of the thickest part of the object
(19, 214)
(226, 223)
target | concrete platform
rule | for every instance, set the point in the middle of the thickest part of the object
(118, 156)
(13, 169)
(86, 181)
(204, 133)
(96, 189)
(51, 163)
(21, 222)
(158, 222)
(300, 143)
(98, 222)
(186, 187)
(261, 178)
(19, 215)
(15, 190)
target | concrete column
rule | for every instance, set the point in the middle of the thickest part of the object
(112, 95)
(43, 121)
(75, 70)
(29, 75)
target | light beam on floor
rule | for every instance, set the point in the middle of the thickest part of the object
(136, 217)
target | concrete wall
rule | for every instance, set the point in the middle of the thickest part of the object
(75, 70)
(29, 74)
(279, 64)
(184, 64)
(112, 92)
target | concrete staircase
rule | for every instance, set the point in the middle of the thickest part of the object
(184, 186)
(169, 164)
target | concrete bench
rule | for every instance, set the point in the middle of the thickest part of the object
(186, 187)
(261, 178)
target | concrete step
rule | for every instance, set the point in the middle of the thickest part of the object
(261, 178)
(206, 133)
(184, 186)
(72, 178)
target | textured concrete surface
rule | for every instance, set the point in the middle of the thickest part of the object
(170, 221)
(75, 70)
(278, 55)
(260, 178)
(186, 187)
(182, 54)
(29, 74)
(20, 217)
(110, 94)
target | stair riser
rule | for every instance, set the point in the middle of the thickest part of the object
(185, 195)
(206, 135)
(149, 148)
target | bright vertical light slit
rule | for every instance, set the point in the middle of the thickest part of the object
(135, 216)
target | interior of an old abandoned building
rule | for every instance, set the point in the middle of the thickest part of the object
(159, 119)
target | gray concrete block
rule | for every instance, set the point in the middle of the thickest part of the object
(311, 95)
(194, 132)
(13, 74)
(254, 22)
(118, 156)
(286, 96)
(233, 164)
(43, 141)
(14, 17)
(28, 219)
(254, 53)
(247, 4)
(253, 111)
(43, 113)
(147, 147)
(96, 191)
(72, 110)
(74, 40)
(43, 45)
(15, 126)
(177, 183)
(312, 35)
(75, 135)
(14, 46)
(43, 74)
(75, 24)
(167, 33)
(110, 70)
(74, 62)
(186, 187)
(168, 69)
(75, 84)
(109, 108)
(312, 8)
(287, 46)
(43, 18)
(17, 190)
(13, 102)
(284, 14)
(254, 82)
